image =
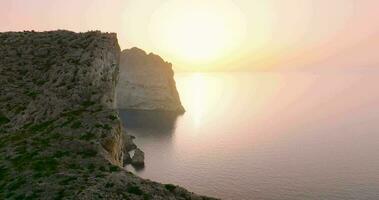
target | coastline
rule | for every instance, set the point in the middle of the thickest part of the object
(60, 134)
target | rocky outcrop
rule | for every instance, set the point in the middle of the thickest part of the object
(60, 137)
(146, 83)
(138, 158)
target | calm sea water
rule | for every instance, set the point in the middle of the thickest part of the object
(266, 135)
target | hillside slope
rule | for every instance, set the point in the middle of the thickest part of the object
(60, 137)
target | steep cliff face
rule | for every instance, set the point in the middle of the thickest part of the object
(146, 83)
(60, 137)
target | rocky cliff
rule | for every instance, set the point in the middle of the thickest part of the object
(146, 83)
(60, 137)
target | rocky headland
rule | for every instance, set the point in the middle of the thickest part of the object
(60, 135)
(146, 83)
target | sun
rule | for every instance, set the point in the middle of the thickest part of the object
(196, 33)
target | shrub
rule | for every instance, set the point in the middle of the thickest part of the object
(68, 180)
(32, 94)
(112, 117)
(134, 190)
(76, 125)
(87, 136)
(88, 153)
(170, 187)
(113, 169)
(3, 120)
(41, 126)
(45, 165)
(88, 103)
(109, 185)
(60, 154)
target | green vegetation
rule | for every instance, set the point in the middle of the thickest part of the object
(147, 196)
(60, 195)
(32, 94)
(105, 126)
(113, 168)
(112, 117)
(20, 109)
(68, 121)
(74, 113)
(46, 166)
(3, 172)
(102, 168)
(21, 161)
(42, 126)
(170, 187)
(134, 190)
(88, 153)
(3, 120)
(109, 185)
(88, 103)
(76, 125)
(74, 166)
(60, 154)
(15, 184)
(91, 167)
(67, 180)
(87, 136)
(40, 82)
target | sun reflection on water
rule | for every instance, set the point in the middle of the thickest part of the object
(207, 93)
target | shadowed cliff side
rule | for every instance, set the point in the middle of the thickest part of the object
(60, 137)
(146, 83)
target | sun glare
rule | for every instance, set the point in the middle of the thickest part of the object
(198, 33)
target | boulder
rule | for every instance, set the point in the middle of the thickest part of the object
(138, 158)
(126, 158)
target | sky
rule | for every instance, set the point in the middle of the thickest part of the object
(219, 35)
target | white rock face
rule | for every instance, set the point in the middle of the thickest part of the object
(146, 83)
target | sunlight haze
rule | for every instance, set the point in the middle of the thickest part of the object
(220, 35)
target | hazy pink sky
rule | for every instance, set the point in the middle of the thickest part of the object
(280, 33)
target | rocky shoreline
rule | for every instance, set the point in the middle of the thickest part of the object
(60, 136)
